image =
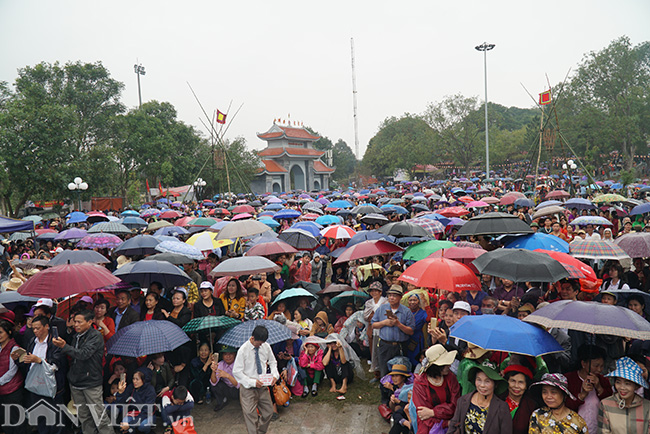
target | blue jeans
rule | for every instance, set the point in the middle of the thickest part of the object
(143, 426)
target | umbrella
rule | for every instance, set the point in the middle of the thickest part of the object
(536, 241)
(157, 225)
(243, 208)
(579, 203)
(520, 265)
(172, 258)
(328, 220)
(591, 220)
(340, 204)
(368, 235)
(524, 202)
(67, 279)
(461, 254)
(403, 229)
(366, 209)
(269, 222)
(592, 317)
(7, 297)
(548, 203)
(242, 229)
(170, 214)
(640, 209)
(313, 288)
(146, 337)
(130, 212)
(202, 222)
(114, 228)
(311, 227)
(597, 249)
(348, 297)
(21, 236)
(78, 257)
(241, 333)
(99, 241)
(505, 333)
(494, 223)
(132, 222)
(293, 293)
(244, 265)
(145, 272)
(299, 238)
(312, 206)
(338, 232)
(172, 231)
(210, 322)
(71, 234)
(274, 247)
(433, 227)
(558, 194)
(205, 241)
(180, 248)
(374, 219)
(420, 251)
(138, 245)
(441, 273)
(366, 249)
(33, 218)
(335, 288)
(548, 210)
(608, 198)
(286, 214)
(635, 244)
(453, 211)
(576, 268)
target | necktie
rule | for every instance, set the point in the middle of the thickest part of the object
(258, 362)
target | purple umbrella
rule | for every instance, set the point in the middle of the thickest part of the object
(99, 241)
(71, 234)
(592, 317)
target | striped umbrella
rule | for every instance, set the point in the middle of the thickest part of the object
(433, 227)
(114, 228)
(338, 232)
(597, 249)
(146, 337)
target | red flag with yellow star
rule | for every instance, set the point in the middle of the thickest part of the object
(221, 117)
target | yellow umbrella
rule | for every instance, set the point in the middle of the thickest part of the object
(207, 241)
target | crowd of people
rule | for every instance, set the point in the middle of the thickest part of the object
(397, 334)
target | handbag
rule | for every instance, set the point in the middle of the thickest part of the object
(281, 393)
(385, 411)
(438, 429)
(41, 380)
(184, 426)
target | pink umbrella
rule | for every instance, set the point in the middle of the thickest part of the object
(271, 248)
(477, 204)
(68, 279)
(366, 249)
(464, 255)
(242, 216)
(490, 200)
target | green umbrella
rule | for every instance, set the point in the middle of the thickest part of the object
(420, 251)
(210, 322)
(348, 297)
(202, 221)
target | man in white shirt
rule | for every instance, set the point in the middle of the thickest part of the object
(250, 365)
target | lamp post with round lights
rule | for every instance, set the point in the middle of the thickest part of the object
(198, 188)
(569, 166)
(79, 185)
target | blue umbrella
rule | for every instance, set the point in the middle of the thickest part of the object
(130, 212)
(266, 214)
(591, 220)
(274, 206)
(172, 231)
(270, 222)
(396, 209)
(548, 203)
(579, 203)
(238, 335)
(293, 293)
(47, 236)
(146, 337)
(435, 216)
(133, 222)
(340, 204)
(71, 234)
(311, 227)
(145, 272)
(138, 245)
(325, 220)
(538, 241)
(219, 225)
(76, 217)
(640, 209)
(504, 333)
(524, 202)
(180, 248)
(286, 214)
(369, 236)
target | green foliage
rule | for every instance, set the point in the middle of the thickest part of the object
(242, 167)
(628, 176)
(344, 160)
(400, 143)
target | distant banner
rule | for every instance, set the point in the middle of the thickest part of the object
(48, 204)
(221, 117)
(545, 97)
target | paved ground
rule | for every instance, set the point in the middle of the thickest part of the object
(300, 417)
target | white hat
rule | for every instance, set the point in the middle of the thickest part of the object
(462, 305)
(206, 284)
(58, 250)
(44, 302)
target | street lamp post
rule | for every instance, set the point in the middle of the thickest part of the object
(198, 185)
(485, 47)
(139, 70)
(569, 166)
(79, 185)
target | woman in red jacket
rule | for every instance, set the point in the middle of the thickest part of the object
(435, 390)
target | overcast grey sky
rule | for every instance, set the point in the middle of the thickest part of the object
(293, 57)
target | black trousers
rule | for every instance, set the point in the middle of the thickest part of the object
(222, 392)
(338, 373)
(388, 350)
(15, 397)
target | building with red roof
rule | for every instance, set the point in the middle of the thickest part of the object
(290, 162)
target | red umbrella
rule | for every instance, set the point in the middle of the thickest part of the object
(576, 268)
(171, 214)
(310, 216)
(272, 248)
(441, 273)
(466, 199)
(68, 279)
(490, 199)
(557, 194)
(243, 208)
(366, 249)
(183, 221)
(510, 198)
(453, 211)
(461, 254)
(45, 231)
(219, 211)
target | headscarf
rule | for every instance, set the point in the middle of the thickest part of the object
(315, 328)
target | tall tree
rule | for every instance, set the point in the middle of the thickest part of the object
(344, 160)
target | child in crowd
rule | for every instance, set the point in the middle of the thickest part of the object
(254, 309)
(311, 359)
(176, 405)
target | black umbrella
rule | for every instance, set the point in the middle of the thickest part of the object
(374, 219)
(366, 209)
(145, 272)
(172, 258)
(77, 257)
(494, 223)
(520, 265)
(420, 207)
(403, 229)
(138, 245)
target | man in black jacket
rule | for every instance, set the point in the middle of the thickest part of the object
(86, 349)
(123, 314)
